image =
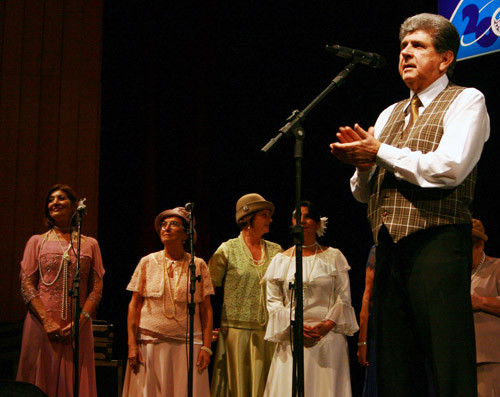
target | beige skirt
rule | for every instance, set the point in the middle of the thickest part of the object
(488, 380)
(241, 363)
(165, 372)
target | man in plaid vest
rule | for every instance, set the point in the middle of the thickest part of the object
(416, 169)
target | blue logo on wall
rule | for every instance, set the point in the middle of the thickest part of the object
(477, 22)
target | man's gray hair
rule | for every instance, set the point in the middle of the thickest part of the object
(444, 35)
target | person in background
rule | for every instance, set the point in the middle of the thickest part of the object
(366, 340)
(243, 356)
(47, 272)
(328, 314)
(158, 317)
(485, 295)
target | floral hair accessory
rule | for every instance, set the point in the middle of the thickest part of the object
(322, 227)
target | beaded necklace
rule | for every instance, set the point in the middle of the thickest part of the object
(249, 255)
(474, 272)
(177, 279)
(309, 277)
(257, 265)
(309, 246)
(65, 260)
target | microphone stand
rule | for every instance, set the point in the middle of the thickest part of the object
(294, 127)
(191, 305)
(75, 293)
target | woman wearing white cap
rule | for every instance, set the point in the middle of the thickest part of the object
(158, 317)
(328, 315)
(243, 356)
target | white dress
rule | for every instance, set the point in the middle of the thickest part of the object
(327, 296)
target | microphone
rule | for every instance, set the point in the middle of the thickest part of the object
(189, 207)
(357, 56)
(82, 208)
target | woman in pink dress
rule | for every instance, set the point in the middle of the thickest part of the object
(158, 317)
(47, 272)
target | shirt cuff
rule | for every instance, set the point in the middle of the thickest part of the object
(362, 177)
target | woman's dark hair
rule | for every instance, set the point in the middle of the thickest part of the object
(313, 211)
(246, 221)
(71, 195)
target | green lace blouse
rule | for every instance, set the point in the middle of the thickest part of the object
(244, 296)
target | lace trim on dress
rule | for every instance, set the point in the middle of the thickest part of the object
(28, 289)
(147, 278)
(278, 327)
(328, 263)
(95, 285)
(344, 317)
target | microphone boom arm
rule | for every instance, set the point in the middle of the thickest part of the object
(294, 120)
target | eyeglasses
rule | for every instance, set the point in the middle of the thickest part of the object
(172, 224)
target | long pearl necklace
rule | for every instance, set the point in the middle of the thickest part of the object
(262, 315)
(474, 272)
(65, 260)
(177, 279)
(308, 279)
(249, 255)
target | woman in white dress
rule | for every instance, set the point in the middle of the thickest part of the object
(328, 315)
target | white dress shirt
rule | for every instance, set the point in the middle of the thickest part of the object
(466, 128)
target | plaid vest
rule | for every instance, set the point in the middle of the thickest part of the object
(405, 208)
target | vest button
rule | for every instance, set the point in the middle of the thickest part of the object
(384, 213)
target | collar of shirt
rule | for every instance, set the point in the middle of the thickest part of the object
(430, 93)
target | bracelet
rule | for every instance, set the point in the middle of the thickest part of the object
(85, 314)
(206, 349)
(362, 343)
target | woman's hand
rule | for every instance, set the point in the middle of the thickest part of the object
(323, 327)
(311, 336)
(68, 329)
(66, 332)
(203, 360)
(477, 302)
(37, 308)
(135, 358)
(362, 348)
(52, 329)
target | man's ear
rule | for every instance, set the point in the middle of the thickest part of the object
(447, 58)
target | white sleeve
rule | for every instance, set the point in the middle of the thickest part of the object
(466, 129)
(341, 311)
(278, 326)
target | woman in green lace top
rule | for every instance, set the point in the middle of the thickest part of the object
(243, 356)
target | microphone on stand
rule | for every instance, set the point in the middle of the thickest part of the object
(357, 56)
(193, 278)
(82, 208)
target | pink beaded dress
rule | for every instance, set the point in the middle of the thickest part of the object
(45, 363)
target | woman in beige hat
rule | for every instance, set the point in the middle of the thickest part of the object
(485, 296)
(243, 356)
(158, 317)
